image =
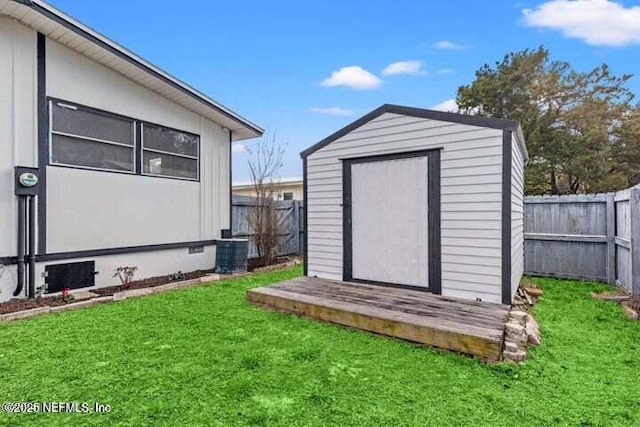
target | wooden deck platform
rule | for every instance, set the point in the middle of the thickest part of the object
(470, 327)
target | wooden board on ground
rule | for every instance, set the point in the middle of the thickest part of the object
(470, 327)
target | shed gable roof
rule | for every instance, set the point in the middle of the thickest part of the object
(465, 119)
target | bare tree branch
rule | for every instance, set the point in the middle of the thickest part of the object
(265, 163)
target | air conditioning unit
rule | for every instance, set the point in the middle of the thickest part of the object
(231, 255)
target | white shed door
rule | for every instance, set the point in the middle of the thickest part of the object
(389, 211)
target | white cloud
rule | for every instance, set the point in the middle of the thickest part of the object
(443, 71)
(354, 77)
(238, 147)
(332, 111)
(597, 22)
(448, 105)
(412, 67)
(446, 44)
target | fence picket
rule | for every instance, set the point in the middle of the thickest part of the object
(588, 236)
(289, 238)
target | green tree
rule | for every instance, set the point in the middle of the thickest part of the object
(627, 148)
(568, 118)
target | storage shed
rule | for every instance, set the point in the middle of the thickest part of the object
(419, 199)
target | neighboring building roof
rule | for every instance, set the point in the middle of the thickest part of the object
(425, 114)
(60, 27)
(285, 181)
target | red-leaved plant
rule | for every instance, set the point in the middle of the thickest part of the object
(65, 295)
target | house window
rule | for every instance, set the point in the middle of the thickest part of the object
(287, 196)
(169, 152)
(90, 139)
(87, 138)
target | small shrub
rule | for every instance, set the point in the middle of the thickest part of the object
(177, 277)
(65, 295)
(125, 274)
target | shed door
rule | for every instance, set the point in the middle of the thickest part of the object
(390, 221)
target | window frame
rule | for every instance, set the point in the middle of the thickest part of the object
(137, 147)
(73, 105)
(284, 195)
(168, 153)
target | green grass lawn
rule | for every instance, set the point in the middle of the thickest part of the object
(204, 356)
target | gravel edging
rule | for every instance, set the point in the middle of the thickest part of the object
(134, 293)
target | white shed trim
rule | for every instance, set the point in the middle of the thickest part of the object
(478, 224)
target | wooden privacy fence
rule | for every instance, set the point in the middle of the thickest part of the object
(290, 221)
(589, 236)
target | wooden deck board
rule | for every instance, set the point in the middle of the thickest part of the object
(466, 326)
(453, 320)
(476, 313)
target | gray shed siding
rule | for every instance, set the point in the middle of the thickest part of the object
(471, 186)
(517, 214)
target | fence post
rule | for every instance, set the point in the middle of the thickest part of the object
(611, 239)
(301, 227)
(634, 216)
(296, 221)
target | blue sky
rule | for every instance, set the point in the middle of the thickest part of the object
(305, 69)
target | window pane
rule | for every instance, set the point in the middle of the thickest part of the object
(165, 164)
(169, 140)
(287, 196)
(93, 125)
(81, 152)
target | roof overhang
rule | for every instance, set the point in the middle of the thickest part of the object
(425, 114)
(62, 28)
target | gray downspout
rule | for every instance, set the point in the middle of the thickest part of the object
(22, 213)
(32, 247)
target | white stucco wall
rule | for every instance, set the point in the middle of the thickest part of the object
(17, 119)
(88, 209)
(91, 210)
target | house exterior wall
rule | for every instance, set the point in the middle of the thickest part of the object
(471, 198)
(296, 189)
(18, 130)
(89, 209)
(517, 214)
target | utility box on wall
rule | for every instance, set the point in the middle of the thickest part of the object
(26, 181)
